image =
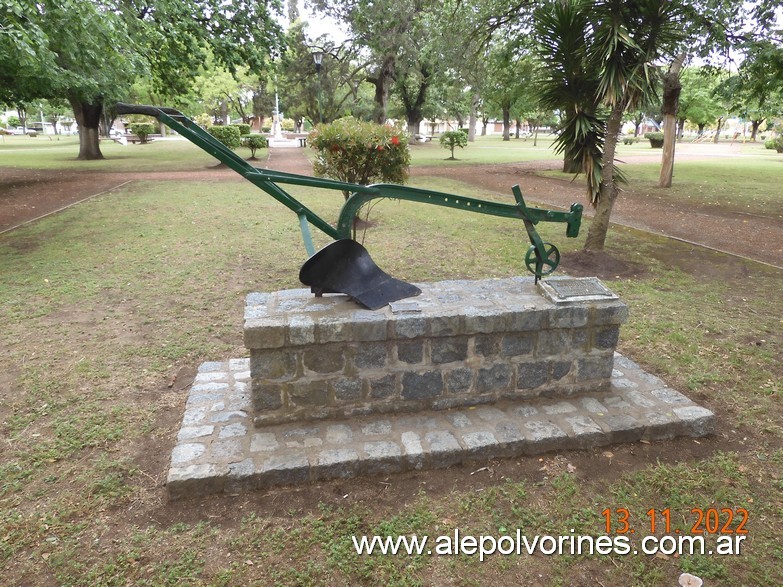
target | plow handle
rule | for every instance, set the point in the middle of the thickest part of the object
(154, 111)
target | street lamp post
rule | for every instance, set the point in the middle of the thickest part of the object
(318, 57)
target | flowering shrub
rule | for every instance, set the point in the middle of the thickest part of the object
(360, 152)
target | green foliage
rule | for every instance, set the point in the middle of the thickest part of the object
(13, 121)
(630, 140)
(774, 143)
(360, 152)
(655, 138)
(452, 139)
(244, 129)
(228, 135)
(254, 142)
(142, 130)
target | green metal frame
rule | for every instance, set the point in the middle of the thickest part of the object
(541, 259)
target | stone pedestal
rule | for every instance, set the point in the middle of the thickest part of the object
(459, 343)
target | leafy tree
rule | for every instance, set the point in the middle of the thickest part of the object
(321, 96)
(698, 104)
(597, 59)
(452, 139)
(389, 31)
(511, 71)
(89, 51)
(254, 142)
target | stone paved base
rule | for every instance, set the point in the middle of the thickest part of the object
(219, 449)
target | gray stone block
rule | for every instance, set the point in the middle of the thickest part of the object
(272, 364)
(586, 431)
(446, 325)
(383, 387)
(484, 320)
(592, 405)
(596, 367)
(301, 330)
(285, 469)
(671, 397)
(495, 378)
(569, 317)
(488, 414)
(330, 329)
(327, 358)
(347, 390)
(459, 380)
(449, 350)
(377, 427)
(371, 355)
(263, 442)
(610, 313)
(607, 338)
(560, 408)
(553, 342)
(409, 326)
(698, 421)
(308, 393)
(191, 432)
(414, 452)
(338, 434)
(561, 369)
(411, 352)
(508, 433)
(544, 436)
(480, 443)
(532, 375)
(184, 453)
(270, 332)
(233, 430)
(369, 326)
(419, 386)
(525, 320)
(267, 396)
(211, 366)
(623, 427)
(337, 463)
(487, 345)
(459, 420)
(515, 345)
(444, 449)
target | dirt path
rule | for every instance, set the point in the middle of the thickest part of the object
(29, 194)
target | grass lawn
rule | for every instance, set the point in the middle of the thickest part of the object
(109, 306)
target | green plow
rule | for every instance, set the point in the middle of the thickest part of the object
(350, 270)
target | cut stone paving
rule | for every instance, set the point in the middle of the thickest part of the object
(465, 411)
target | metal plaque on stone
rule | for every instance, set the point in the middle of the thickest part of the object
(564, 290)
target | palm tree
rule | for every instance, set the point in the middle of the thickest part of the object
(599, 60)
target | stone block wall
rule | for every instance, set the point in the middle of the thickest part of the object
(467, 342)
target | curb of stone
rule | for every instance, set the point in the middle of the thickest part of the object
(219, 450)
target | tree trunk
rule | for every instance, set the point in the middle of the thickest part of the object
(596, 236)
(506, 123)
(755, 124)
(472, 119)
(680, 128)
(484, 123)
(717, 130)
(701, 129)
(671, 103)
(88, 118)
(518, 125)
(383, 83)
